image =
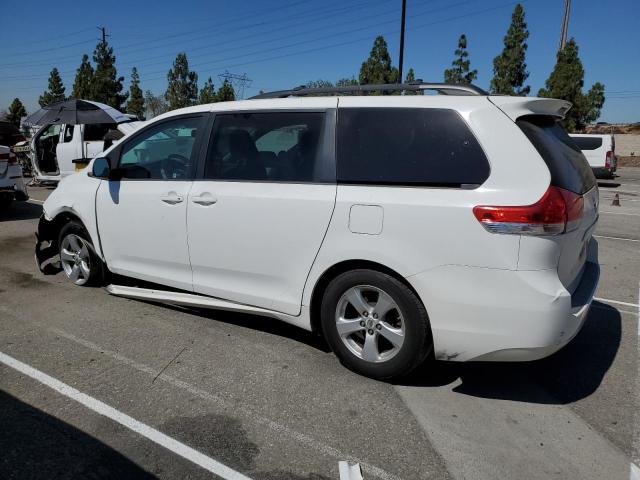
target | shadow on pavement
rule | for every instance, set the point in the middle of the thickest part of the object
(573, 373)
(608, 184)
(36, 445)
(20, 211)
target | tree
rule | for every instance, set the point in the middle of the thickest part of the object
(377, 68)
(345, 82)
(107, 86)
(82, 86)
(55, 92)
(509, 68)
(459, 72)
(207, 93)
(16, 112)
(319, 84)
(135, 105)
(226, 93)
(182, 90)
(155, 104)
(411, 77)
(566, 82)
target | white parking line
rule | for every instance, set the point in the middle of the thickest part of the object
(617, 302)
(103, 409)
(617, 238)
(277, 428)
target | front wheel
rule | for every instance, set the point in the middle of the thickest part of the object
(78, 258)
(375, 324)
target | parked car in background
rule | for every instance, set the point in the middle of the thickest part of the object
(600, 151)
(12, 185)
(395, 226)
(58, 150)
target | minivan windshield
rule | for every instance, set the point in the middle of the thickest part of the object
(567, 164)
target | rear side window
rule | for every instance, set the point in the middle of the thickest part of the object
(588, 143)
(408, 146)
(568, 167)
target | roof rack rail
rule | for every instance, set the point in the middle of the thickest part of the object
(443, 88)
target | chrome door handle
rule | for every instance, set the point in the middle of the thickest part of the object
(205, 200)
(172, 199)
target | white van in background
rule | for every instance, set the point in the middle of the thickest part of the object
(600, 153)
(58, 150)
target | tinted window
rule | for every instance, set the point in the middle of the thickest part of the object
(68, 133)
(285, 147)
(408, 146)
(568, 167)
(97, 131)
(165, 151)
(587, 143)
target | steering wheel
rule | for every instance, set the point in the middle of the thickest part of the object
(177, 164)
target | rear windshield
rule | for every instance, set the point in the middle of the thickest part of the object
(588, 143)
(568, 167)
(408, 147)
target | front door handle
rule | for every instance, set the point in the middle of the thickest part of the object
(172, 198)
(204, 199)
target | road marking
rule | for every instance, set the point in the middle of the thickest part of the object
(635, 472)
(105, 410)
(252, 415)
(608, 307)
(620, 213)
(33, 200)
(617, 302)
(617, 238)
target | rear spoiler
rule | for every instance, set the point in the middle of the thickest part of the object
(515, 107)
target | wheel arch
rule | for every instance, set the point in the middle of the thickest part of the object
(332, 272)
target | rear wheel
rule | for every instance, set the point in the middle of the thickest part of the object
(375, 324)
(78, 258)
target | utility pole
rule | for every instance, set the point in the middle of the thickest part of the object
(565, 24)
(104, 34)
(404, 10)
(239, 82)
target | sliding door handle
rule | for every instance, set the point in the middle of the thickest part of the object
(204, 199)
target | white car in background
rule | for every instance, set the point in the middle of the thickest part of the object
(600, 151)
(58, 150)
(458, 225)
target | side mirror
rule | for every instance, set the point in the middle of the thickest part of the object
(101, 168)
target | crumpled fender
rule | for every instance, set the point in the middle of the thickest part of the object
(47, 247)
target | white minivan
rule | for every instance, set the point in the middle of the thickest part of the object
(457, 226)
(600, 152)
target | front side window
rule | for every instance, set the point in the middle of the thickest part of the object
(408, 147)
(163, 152)
(285, 147)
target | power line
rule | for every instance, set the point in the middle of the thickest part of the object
(239, 82)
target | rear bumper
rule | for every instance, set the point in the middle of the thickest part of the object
(503, 315)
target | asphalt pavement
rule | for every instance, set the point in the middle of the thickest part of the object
(189, 389)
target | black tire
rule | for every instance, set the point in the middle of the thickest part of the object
(417, 342)
(96, 266)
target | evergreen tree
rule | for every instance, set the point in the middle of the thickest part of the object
(135, 105)
(207, 93)
(16, 112)
(509, 68)
(411, 77)
(155, 104)
(377, 68)
(182, 90)
(226, 93)
(82, 86)
(107, 86)
(566, 82)
(344, 82)
(55, 92)
(460, 73)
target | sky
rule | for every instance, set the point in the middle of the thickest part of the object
(281, 44)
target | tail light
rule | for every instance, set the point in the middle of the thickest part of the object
(608, 160)
(558, 211)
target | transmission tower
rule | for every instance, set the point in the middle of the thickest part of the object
(239, 82)
(565, 24)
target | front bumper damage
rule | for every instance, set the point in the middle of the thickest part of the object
(47, 252)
